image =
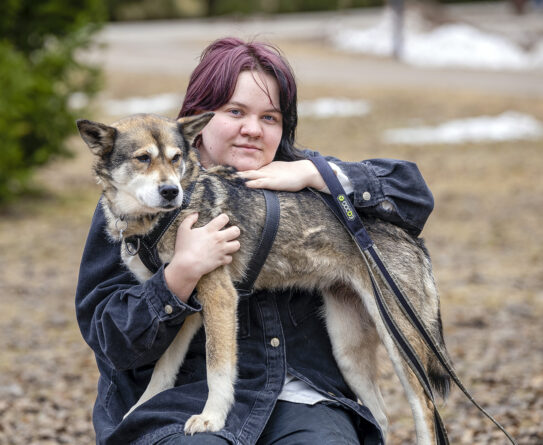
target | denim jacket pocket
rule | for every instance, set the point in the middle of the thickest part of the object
(112, 402)
(302, 305)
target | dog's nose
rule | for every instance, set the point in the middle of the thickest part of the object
(168, 192)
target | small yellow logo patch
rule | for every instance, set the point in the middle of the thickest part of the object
(346, 207)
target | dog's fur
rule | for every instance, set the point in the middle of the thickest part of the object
(145, 162)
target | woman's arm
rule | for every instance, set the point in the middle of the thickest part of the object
(131, 324)
(390, 189)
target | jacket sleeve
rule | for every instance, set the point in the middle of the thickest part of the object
(126, 323)
(390, 189)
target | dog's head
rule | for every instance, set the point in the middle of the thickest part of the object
(142, 159)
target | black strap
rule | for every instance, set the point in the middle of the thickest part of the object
(347, 214)
(146, 246)
(273, 214)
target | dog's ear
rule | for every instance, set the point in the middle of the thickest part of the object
(191, 126)
(97, 136)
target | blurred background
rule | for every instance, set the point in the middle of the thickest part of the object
(456, 87)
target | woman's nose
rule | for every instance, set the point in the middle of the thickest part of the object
(251, 127)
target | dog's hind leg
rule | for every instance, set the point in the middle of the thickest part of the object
(354, 343)
(167, 367)
(420, 405)
(219, 301)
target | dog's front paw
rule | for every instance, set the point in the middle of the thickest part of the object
(201, 423)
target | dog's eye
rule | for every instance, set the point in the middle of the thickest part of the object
(176, 158)
(144, 158)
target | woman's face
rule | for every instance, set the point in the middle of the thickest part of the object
(246, 131)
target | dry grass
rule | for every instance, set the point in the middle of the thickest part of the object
(485, 236)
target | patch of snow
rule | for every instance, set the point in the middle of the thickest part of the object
(510, 125)
(449, 45)
(333, 107)
(158, 103)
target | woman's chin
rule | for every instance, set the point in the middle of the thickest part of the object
(247, 164)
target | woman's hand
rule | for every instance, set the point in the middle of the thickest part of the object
(199, 251)
(285, 176)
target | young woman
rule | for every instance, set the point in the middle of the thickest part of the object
(289, 389)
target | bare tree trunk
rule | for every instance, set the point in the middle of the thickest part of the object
(398, 8)
(519, 6)
(211, 7)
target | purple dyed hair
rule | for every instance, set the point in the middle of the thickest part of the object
(213, 81)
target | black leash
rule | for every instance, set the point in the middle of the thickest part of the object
(340, 204)
(146, 246)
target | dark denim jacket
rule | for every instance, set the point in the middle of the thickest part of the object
(127, 326)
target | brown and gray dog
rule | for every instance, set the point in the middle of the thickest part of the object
(146, 162)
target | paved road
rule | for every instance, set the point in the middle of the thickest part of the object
(173, 47)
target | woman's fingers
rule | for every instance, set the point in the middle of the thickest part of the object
(257, 179)
(230, 233)
(218, 222)
(232, 246)
(251, 174)
(286, 176)
(261, 183)
(189, 221)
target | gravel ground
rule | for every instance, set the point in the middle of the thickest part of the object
(485, 238)
(488, 264)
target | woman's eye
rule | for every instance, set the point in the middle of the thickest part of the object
(235, 112)
(176, 158)
(144, 158)
(269, 118)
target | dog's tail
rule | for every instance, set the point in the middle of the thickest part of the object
(439, 377)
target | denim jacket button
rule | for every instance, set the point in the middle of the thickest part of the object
(168, 309)
(366, 196)
(275, 342)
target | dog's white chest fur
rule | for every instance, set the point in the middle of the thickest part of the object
(135, 265)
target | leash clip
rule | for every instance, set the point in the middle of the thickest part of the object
(121, 225)
(136, 250)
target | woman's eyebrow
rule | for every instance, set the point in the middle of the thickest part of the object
(273, 110)
(242, 105)
(238, 104)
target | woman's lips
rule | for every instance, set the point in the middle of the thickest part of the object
(247, 147)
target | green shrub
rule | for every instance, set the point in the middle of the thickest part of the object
(39, 72)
